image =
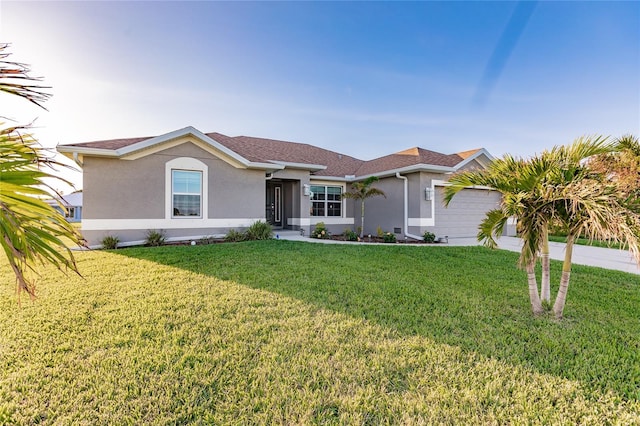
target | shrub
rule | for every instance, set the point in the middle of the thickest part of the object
(350, 235)
(233, 236)
(259, 231)
(320, 231)
(428, 237)
(110, 242)
(207, 239)
(155, 238)
(388, 237)
(379, 232)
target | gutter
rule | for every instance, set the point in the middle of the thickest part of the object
(406, 207)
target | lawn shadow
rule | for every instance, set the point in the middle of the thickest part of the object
(470, 297)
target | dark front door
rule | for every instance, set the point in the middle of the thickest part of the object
(274, 204)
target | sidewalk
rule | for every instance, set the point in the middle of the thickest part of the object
(614, 259)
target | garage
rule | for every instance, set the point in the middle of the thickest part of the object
(465, 212)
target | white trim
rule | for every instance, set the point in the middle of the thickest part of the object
(343, 202)
(138, 224)
(421, 221)
(298, 221)
(186, 131)
(86, 151)
(475, 156)
(409, 169)
(332, 220)
(443, 183)
(168, 140)
(405, 215)
(332, 179)
(191, 164)
(303, 166)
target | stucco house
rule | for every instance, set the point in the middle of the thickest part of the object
(191, 184)
(72, 206)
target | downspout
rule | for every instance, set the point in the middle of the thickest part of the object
(76, 159)
(406, 207)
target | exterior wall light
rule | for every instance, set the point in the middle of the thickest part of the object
(306, 190)
(428, 193)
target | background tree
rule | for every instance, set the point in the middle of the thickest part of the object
(361, 191)
(31, 231)
(622, 167)
(558, 186)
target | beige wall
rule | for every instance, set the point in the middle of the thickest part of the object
(123, 189)
(116, 189)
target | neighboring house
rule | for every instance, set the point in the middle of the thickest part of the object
(192, 185)
(72, 204)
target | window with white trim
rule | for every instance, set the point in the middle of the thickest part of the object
(186, 189)
(186, 193)
(326, 201)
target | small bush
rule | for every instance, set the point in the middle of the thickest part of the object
(320, 231)
(110, 242)
(428, 237)
(259, 231)
(379, 232)
(388, 237)
(234, 236)
(207, 239)
(350, 235)
(155, 238)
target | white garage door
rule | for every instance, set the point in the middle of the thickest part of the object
(465, 212)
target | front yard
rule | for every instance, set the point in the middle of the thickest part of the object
(295, 333)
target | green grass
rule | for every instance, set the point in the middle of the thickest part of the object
(584, 242)
(295, 333)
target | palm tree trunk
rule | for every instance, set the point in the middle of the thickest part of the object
(561, 298)
(545, 291)
(534, 297)
(362, 219)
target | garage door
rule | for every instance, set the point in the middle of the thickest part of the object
(465, 212)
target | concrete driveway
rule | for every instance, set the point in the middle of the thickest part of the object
(619, 260)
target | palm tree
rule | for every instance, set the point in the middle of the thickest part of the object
(361, 191)
(557, 186)
(587, 203)
(518, 181)
(31, 231)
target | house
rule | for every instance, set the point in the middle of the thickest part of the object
(191, 184)
(72, 204)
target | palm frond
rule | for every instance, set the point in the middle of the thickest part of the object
(31, 231)
(15, 80)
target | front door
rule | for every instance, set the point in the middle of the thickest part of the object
(273, 211)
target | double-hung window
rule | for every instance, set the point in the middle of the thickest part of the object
(186, 189)
(326, 201)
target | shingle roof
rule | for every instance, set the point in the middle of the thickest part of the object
(110, 144)
(337, 165)
(406, 158)
(270, 150)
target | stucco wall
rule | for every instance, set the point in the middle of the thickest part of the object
(131, 195)
(386, 213)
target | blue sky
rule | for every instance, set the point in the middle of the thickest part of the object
(365, 78)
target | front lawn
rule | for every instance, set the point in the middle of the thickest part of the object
(295, 333)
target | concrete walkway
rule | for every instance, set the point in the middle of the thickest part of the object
(619, 260)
